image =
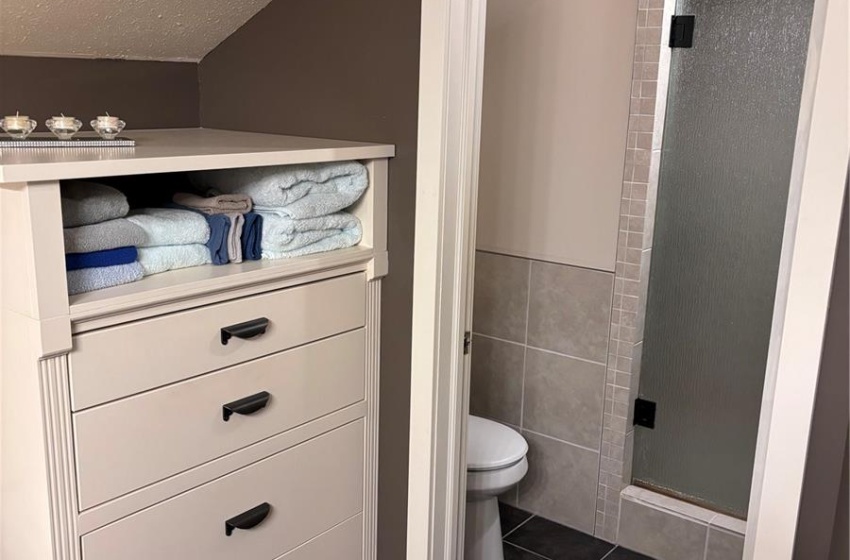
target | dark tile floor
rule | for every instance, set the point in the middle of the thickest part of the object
(528, 537)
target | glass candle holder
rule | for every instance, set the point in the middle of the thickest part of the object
(63, 127)
(18, 126)
(107, 126)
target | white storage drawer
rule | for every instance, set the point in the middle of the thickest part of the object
(343, 542)
(128, 444)
(309, 489)
(120, 361)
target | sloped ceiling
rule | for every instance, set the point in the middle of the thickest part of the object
(184, 30)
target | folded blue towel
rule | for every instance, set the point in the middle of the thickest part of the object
(100, 259)
(90, 279)
(298, 191)
(252, 237)
(219, 231)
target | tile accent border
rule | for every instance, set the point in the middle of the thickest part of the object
(665, 527)
(634, 248)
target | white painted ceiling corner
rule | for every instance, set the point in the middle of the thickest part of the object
(163, 30)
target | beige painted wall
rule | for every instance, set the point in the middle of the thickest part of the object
(557, 83)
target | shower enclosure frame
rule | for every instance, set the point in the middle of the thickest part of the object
(451, 54)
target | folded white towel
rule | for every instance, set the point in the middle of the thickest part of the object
(103, 236)
(161, 259)
(170, 226)
(85, 203)
(284, 237)
(299, 191)
(234, 237)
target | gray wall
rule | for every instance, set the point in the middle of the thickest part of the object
(840, 546)
(144, 94)
(349, 70)
(538, 364)
(824, 501)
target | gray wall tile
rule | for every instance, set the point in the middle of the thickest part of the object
(563, 397)
(561, 482)
(662, 535)
(570, 310)
(723, 545)
(496, 390)
(500, 305)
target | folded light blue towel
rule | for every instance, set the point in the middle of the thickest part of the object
(299, 191)
(85, 202)
(100, 259)
(170, 226)
(284, 237)
(219, 228)
(252, 237)
(90, 279)
(161, 259)
(105, 235)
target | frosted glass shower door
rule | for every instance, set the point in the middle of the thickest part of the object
(731, 120)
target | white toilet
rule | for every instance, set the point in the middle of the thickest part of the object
(495, 461)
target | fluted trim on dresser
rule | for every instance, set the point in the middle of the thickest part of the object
(59, 449)
(370, 472)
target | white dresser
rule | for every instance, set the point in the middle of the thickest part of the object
(217, 412)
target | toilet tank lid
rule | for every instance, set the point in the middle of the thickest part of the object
(490, 445)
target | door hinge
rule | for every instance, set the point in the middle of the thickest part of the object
(645, 413)
(467, 342)
(682, 32)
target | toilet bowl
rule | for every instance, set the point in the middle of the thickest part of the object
(495, 462)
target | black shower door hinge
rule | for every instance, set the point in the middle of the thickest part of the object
(644, 413)
(467, 342)
(682, 32)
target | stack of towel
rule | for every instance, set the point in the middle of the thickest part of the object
(100, 244)
(172, 239)
(300, 205)
(235, 229)
(266, 212)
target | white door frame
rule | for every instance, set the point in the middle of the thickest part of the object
(818, 178)
(450, 83)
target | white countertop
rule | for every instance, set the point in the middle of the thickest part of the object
(174, 150)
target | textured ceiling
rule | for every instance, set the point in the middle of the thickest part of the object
(133, 29)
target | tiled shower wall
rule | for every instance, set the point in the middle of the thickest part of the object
(634, 249)
(538, 364)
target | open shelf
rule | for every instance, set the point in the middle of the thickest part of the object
(188, 283)
(36, 196)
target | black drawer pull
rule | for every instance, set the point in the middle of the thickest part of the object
(247, 405)
(248, 329)
(248, 519)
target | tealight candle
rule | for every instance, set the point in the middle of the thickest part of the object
(16, 122)
(107, 126)
(18, 126)
(107, 121)
(63, 122)
(63, 127)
